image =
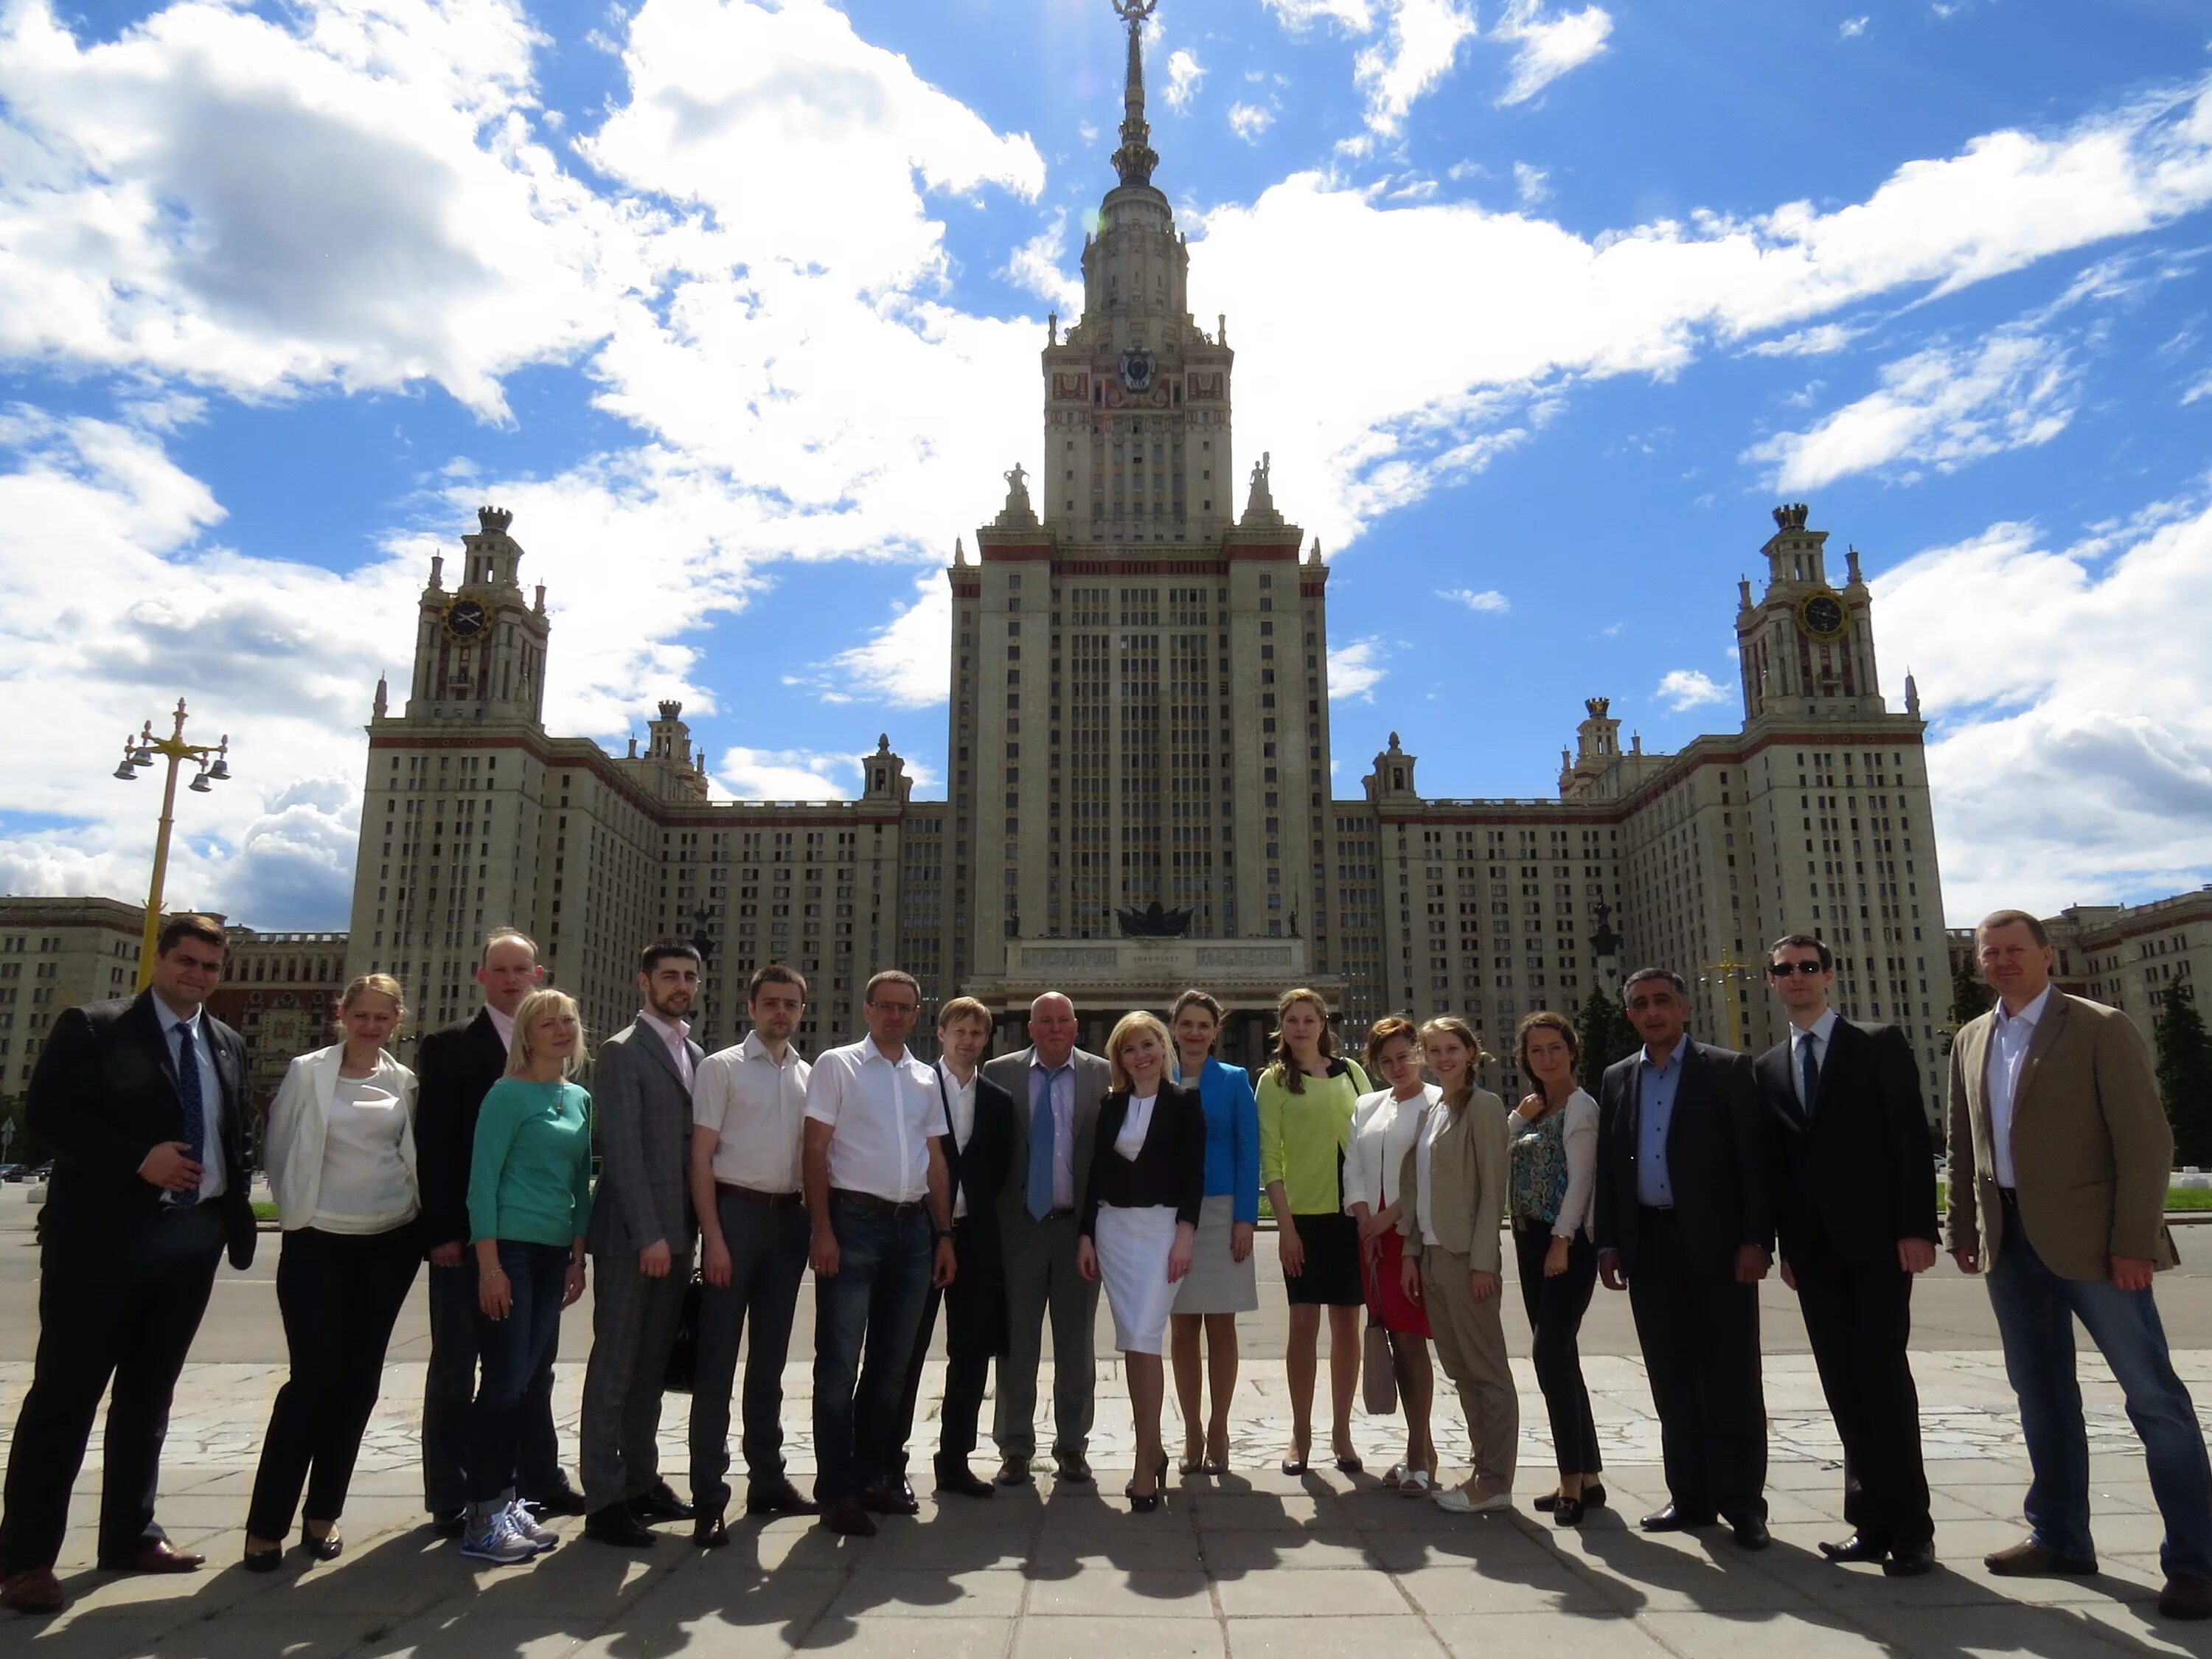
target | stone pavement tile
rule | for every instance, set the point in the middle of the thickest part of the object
(396, 1579)
(1795, 1560)
(1096, 1511)
(1789, 1475)
(1808, 1635)
(908, 1593)
(576, 1583)
(2136, 1627)
(1105, 1593)
(2003, 1629)
(729, 1607)
(1045, 1638)
(1544, 1636)
(945, 1546)
(1403, 1636)
(70, 1638)
(1230, 1554)
(876, 1638)
(279, 1635)
(1445, 1590)
(216, 1588)
(1062, 1554)
(1694, 1573)
(1501, 1544)
(467, 1635)
(1272, 1512)
(1308, 1596)
(1944, 1472)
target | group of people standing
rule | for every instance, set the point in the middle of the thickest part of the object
(1003, 1194)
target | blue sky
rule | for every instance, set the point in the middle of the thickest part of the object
(1538, 308)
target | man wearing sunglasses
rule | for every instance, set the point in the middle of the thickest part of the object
(1855, 1207)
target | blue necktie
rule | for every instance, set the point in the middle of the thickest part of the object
(1809, 1071)
(1042, 1129)
(188, 1091)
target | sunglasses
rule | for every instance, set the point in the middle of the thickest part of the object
(1783, 970)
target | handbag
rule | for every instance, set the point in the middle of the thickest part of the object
(684, 1352)
(1378, 1370)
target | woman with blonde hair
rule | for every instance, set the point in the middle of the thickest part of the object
(340, 1151)
(1551, 1190)
(1383, 1128)
(1453, 1185)
(530, 1205)
(1140, 1210)
(1224, 1279)
(1306, 1099)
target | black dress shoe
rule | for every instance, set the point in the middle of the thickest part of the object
(1566, 1511)
(1910, 1561)
(1016, 1472)
(328, 1547)
(1750, 1531)
(1858, 1548)
(780, 1499)
(659, 1502)
(563, 1499)
(958, 1477)
(1675, 1518)
(1074, 1469)
(262, 1560)
(2185, 1597)
(448, 1523)
(881, 1499)
(616, 1525)
(708, 1531)
(847, 1516)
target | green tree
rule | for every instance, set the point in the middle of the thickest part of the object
(1606, 1035)
(2185, 1073)
(1970, 997)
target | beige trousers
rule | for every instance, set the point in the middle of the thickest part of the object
(1470, 1338)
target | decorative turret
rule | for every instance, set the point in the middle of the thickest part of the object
(1393, 777)
(1597, 748)
(1136, 158)
(1807, 650)
(479, 650)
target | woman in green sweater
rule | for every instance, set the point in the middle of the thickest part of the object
(1306, 1098)
(530, 1202)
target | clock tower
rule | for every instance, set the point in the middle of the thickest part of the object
(480, 647)
(1807, 647)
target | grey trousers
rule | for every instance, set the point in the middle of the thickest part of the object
(633, 1327)
(1041, 1277)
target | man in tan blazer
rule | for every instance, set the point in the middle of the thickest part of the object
(2060, 1154)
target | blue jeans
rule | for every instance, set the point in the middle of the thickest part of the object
(511, 1353)
(2036, 1309)
(873, 1301)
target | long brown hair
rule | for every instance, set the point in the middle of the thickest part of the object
(1285, 1068)
(1545, 1020)
(1452, 1025)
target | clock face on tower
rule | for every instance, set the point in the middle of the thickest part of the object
(1821, 614)
(1137, 370)
(467, 618)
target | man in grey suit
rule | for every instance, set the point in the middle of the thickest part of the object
(642, 1226)
(1056, 1089)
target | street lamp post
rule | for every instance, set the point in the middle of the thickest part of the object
(1725, 973)
(214, 765)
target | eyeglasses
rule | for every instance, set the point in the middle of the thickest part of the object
(1783, 970)
(909, 1009)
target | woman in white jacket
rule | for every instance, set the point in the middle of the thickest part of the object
(340, 1151)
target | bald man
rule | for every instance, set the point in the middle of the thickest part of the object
(1056, 1087)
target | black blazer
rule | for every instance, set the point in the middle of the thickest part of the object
(1717, 1159)
(454, 1069)
(979, 1172)
(1169, 1168)
(1862, 1175)
(105, 1095)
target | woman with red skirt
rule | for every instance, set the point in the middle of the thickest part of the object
(1383, 1128)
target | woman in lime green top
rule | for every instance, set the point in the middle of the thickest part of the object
(530, 1200)
(1306, 1098)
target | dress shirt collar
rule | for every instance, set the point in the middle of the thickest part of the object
(952, 1077)
(503, 1023)
(754, 1049)
(2024, 1022)
(171, 1018)
(1820, 1030)
(1663, 1066)
(872, 1053)
(1036, 1064)
(674, 1033)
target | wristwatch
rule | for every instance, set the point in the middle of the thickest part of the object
(943, 1233)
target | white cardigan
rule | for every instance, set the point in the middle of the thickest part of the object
(292, 1145)
(1382, 1127)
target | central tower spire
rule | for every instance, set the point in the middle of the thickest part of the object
(1136, 158)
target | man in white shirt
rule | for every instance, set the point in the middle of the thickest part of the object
(980, 1114)
(880, 1202)
(748, 1107)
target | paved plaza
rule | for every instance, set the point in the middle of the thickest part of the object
(1255, 1563)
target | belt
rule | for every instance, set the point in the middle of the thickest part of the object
(767, 1201)
(875, 1206)
(1052, 1215)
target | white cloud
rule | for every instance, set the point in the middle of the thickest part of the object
(1690, 688)
(1249, 121)
(1488, 602)
(786, 774)
(1356, 15)
(2197, 390)
(1937, 409)
(1532, 183)
(1852, 27)
(903, 665)
(2071, 749)
(1355, 670)
(1549, 46)
(1185, 72)
(1416, 52)
(1036, 265)
(1820, 341)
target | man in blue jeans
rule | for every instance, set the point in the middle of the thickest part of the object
(2060, 1153)
(879, 1199)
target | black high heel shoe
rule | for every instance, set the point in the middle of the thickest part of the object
(1141, 1503)
(263, 1560)
(328, 1547)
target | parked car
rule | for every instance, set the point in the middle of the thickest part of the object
(8, 1172)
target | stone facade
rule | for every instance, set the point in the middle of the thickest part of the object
(280, 992)
(1139, 715)
(58, 953)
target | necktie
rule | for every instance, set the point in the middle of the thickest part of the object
(1809, 1071)
(188, 1092)
(1042, 1128)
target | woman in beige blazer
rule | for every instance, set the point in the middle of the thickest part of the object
(1453, 1185)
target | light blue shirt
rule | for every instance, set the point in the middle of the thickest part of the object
(1655, 1087)
(211, 1181)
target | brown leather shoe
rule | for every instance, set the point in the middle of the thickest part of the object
(846, 1516)
(157, 1555)
(2185, 1598)
(707, 1530)
(2032, 1560)
(37, 1591)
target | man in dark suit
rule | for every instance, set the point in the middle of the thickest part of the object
(978, 1118)
(1683, 1221)
(1855, 1203)
(1056, 1087)
(144, 1102)
(454, 1069)
(641, 1237)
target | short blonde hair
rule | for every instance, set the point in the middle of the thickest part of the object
(1126, 1030)
(383, 984)
(537, 1003)
(962, 1008)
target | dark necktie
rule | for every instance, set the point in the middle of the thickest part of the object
(188, 1092)
(1809, 1071)
(1042, 1128)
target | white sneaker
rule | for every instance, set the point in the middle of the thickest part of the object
(1455, 1501)
(526, 1526)
(490, 1536)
